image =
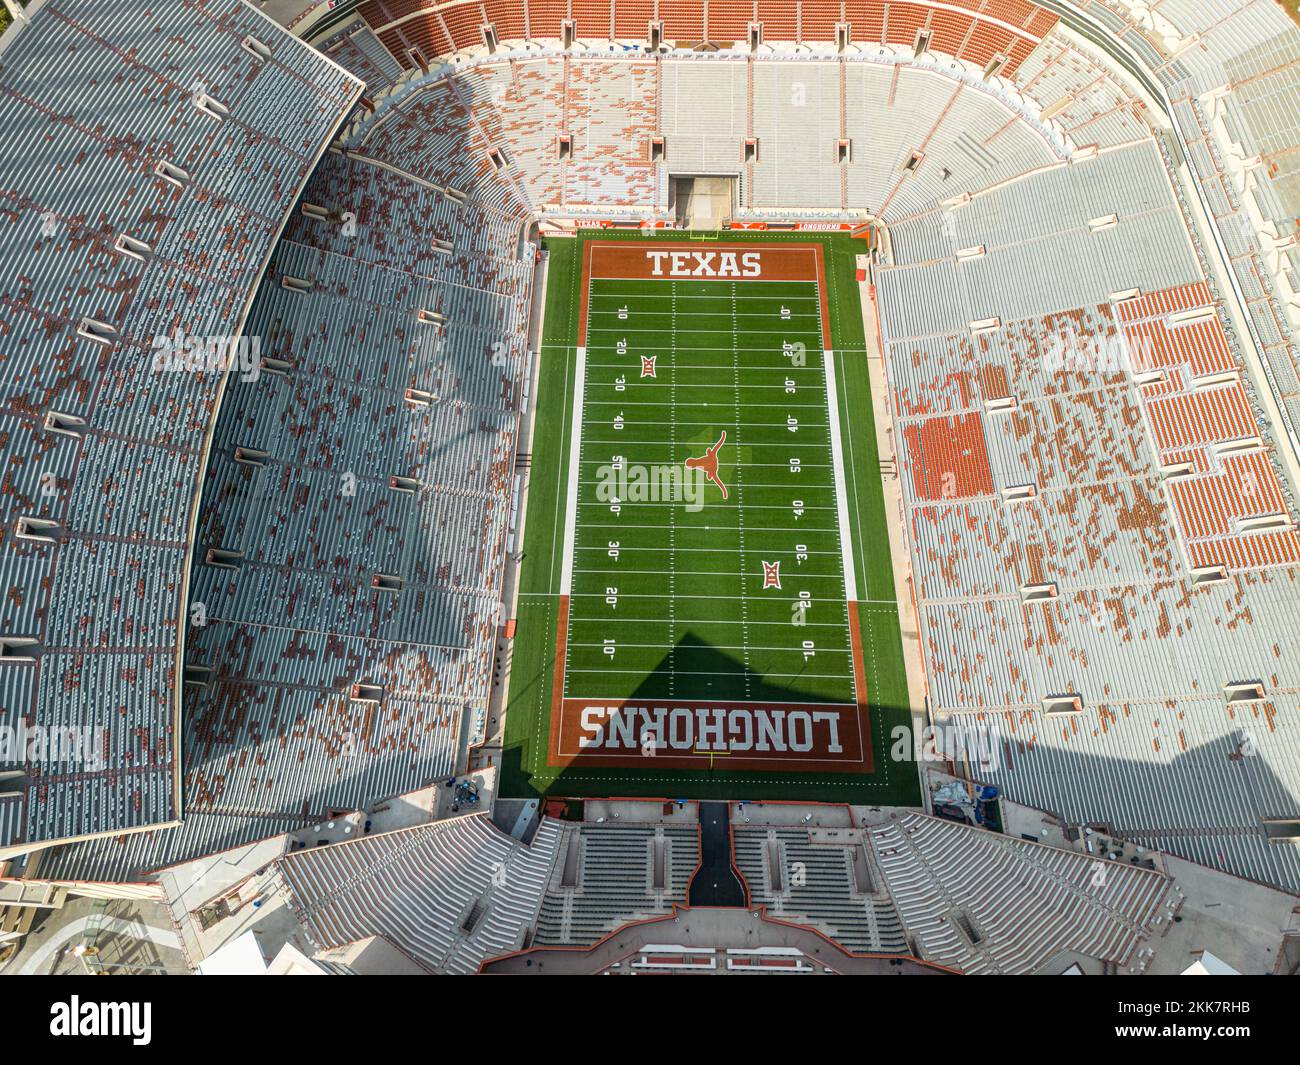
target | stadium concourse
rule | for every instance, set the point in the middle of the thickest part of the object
(272, 440)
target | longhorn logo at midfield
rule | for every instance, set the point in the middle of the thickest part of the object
(708, 462)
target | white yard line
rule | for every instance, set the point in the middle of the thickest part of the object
(841, 492)
(752, 506)
(610, 293)
(810, 488)
(783, 370)
(749, 528)
(705, 403)
(699, 550)
(745, 647)
(834, 625)
(629, 437)
(651, 385)
(575, 465)
(766, 315)
(606, 671)
(803, 575)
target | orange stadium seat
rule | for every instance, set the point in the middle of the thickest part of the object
(729, 19)
(416, 31)
(632, 18)
(949, 458)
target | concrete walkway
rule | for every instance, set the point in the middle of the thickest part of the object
(74, 932)
(899, 545)
(488, 752)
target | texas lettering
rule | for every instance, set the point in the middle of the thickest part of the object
(705, 263)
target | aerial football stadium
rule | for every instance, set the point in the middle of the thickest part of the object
(722, 487)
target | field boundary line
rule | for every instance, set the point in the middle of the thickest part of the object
(841, 488)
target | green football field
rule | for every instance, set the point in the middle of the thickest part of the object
(667, 595)
(641, 582)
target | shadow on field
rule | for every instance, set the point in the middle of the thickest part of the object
(710, 674)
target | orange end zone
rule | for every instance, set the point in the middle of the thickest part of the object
(860, 685)
(664, 260)
(601, 732)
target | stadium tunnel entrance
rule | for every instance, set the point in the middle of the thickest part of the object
(701, 202)
(716, 882)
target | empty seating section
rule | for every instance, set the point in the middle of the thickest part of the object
(105, 258)
(1076, 91)
(426, 129)
(984, 903)
(1192, 412)
(705, 116)
(1041, 255)
(606, 110)
(631, 17)
(620, 873)
(796, 118)
(1068, 571)
(317, 520)
(1254, 47)
(563, 135)
(807, 882)
(964, 138)
(337, 575)
(949, 458)
(978, 31)
(612, 112)
(498, 119)
(1186, 775)
(449, 894)
(1232, 70)
(521, 106)
(1199, 344)
(356, 48)
(413, 35)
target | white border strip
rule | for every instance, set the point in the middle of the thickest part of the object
(841, 493)
(575, 467)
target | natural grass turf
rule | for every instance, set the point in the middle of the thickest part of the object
(524, 772)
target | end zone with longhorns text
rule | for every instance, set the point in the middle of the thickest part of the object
(707, 732)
